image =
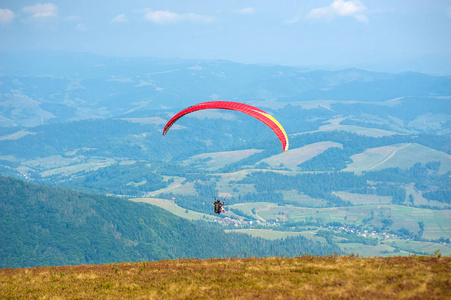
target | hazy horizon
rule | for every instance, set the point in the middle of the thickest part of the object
(375, 35)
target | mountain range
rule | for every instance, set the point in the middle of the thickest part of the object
(41, 88)
(370, 153)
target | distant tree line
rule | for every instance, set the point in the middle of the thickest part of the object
(349, 237)
(384, 183)
(131, 180)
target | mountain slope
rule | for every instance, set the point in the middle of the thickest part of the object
(49, 226)
(307, 277)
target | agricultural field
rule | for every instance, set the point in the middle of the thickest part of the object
(419, 200)
(175, 209)
(344, 277)
(178, 185)
(436, 225)
(354, 215)
(381, 250)
(303, 200)
(360, 199)
(294, 157)
(418, 247)
(266, 233)
(334, 124)
(217, 160)
(63, 165)
(399, 155)
(16, 135)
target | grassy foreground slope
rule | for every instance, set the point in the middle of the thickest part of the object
(343, 277)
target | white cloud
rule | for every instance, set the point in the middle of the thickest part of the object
(164, 17)
(323, 13)
(6, 16)
(340, 8)
(292, 21)
(245, 11)
(120, 19)
(347, 8)
(448, 11)
(41, 10)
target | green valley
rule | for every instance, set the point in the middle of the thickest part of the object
(367, 174)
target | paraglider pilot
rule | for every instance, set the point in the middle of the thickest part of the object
(219, 206)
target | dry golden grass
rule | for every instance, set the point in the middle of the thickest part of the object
(307, 277)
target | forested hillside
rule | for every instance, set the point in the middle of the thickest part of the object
(43, 226)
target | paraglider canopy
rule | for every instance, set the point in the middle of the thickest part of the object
(244, 108)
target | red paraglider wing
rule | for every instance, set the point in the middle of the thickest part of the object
(244, 108)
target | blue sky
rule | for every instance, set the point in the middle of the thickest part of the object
(341, 33)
